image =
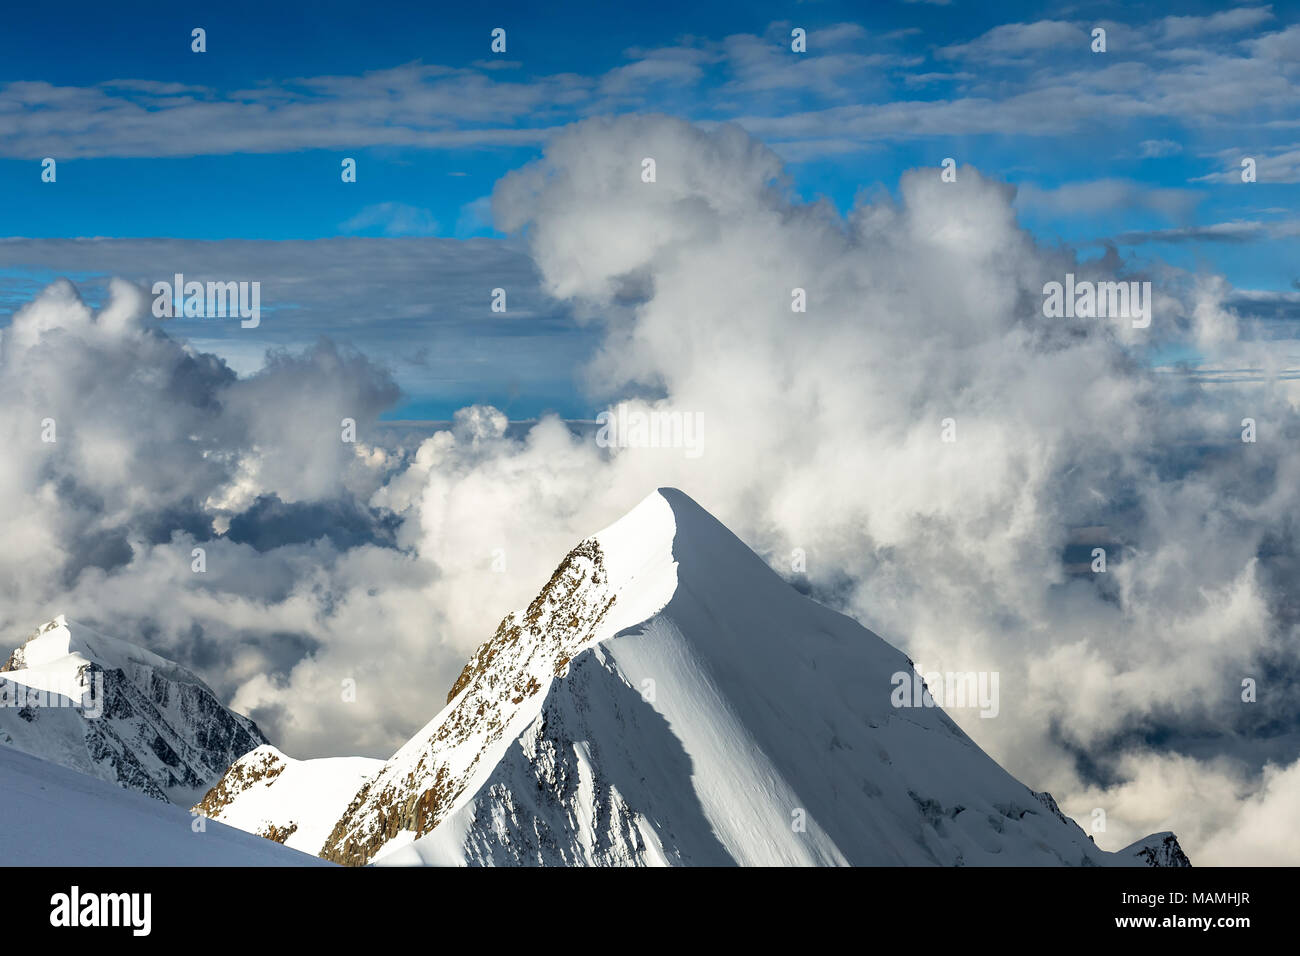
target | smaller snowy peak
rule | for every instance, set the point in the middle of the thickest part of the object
(257, 768)
(61, 647)
(38, 648)
(51, 642)
(114, 710)
(294, 802)
(1158, 849)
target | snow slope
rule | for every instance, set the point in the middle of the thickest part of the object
(668, 699)
(294, 802)
(53, 816)
(118, 712)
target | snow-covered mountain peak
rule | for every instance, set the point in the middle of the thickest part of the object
(114, 710)
(668, 698)
(62, 647)
(637, 549)
(608, 582)
(611, 580)
(50, 641)
(667, 537)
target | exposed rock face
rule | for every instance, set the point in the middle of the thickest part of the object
(261, 765)
(120, 713)
(529, 648)
(278, 834)
(667, 699)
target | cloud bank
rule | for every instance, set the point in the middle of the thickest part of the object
(823, 432)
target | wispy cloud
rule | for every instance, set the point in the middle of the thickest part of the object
(1034, 78)
(1084, 199)
(392, 219)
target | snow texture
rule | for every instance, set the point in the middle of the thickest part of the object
(54, 816)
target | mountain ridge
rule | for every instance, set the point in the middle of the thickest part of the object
(668, 699)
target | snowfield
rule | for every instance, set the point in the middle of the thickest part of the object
(53, 816)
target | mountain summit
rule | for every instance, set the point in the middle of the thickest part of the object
(668, 699)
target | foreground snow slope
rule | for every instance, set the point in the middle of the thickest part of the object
(294, 802)
(139, 720)
(668, 699)
(53, 816)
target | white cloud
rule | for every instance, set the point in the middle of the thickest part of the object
(1091, 198)
(822, 432)
(1158, 148)
(392, 219)
(1278, 164)
(1012, 40)
(1035, 78)
(824, 427)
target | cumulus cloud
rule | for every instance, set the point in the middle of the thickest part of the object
(822, 431)
(128, 450)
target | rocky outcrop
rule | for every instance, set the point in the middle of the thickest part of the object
(261, 765)
(418, 787)
(294, 802)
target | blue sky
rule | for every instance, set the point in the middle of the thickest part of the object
(823, 428)
(1137, 148)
